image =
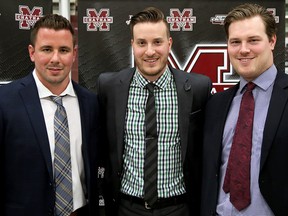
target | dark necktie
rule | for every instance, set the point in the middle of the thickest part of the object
(62, 162)
(150, 164)
(237, 178)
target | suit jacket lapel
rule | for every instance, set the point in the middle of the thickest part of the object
(121, 99)
(84, 115)
(32, 104)
(185, 101)
(277, 104)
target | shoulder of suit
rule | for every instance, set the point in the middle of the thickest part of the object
(190, 74)
(113, 73)
(282, 74)
(199, 78)
(230, 92)
(282, 79)
(78, 88)
(116, 75)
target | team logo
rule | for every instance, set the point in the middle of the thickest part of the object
(184, 20)
(98, 20)
(27, 17)
(218, 69)
(218, 19)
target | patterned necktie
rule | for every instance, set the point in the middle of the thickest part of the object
(62, 161)
(150, 164)
(237, 178)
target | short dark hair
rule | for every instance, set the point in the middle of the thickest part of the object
(51, 21)
(150, 14)
(249, 10)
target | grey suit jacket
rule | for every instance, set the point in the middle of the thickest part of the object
(273, 177)
(26, 164)
(193, 90)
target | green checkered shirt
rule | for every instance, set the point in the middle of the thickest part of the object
(170, 173)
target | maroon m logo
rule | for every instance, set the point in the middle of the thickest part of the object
(27, 17)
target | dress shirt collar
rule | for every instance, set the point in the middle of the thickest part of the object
(162, 82)
(264, 81)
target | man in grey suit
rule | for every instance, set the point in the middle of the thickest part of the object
(180, 99)
(27, 138)
(251, 38)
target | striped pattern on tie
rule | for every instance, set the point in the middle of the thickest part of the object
(150, 164)
(62, 162)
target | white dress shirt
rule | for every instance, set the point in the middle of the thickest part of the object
(70, 102)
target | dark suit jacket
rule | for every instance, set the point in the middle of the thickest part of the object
(193, 90)
(26, 163)
(273, 177)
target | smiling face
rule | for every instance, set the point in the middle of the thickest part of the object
(249, 48)
(151, 46)
(53, 55)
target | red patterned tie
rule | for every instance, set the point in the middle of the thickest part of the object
(237, 178)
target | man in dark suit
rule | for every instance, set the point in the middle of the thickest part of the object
(180, 98)
(251, 38)
(27, 130)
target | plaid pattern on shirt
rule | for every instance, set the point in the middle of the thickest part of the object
(170, 172)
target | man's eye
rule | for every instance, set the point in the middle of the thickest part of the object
(64, 50)
(254, 40)
(234, 43)
(46, 50)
